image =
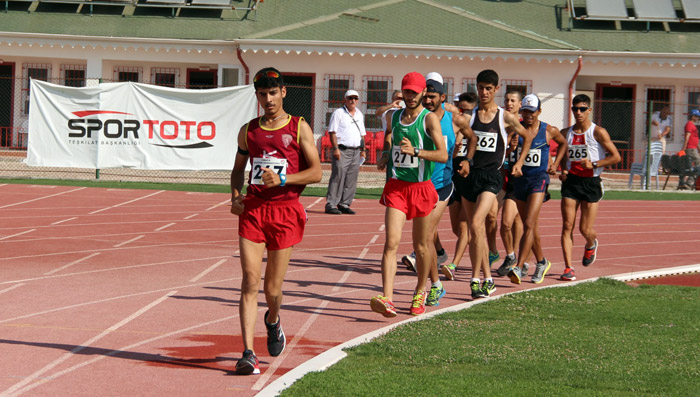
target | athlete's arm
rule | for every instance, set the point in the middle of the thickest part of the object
(432, 125)
(553, 133)
(612, 155)
(451, 108)
(513, 122)
(238, 172)
(386, 149)
(465, 131)
(394, 105)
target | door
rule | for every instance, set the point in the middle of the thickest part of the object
(615, 111)
(201, 79)
(7, 84)
(300, 95)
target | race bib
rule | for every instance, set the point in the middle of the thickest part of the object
(486, 141)
(402, 160)
(463, 149)
(578, 153)
(279, 166)
(533, 158)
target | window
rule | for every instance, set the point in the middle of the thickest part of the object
(73, 75)
(468, 85)
(165, 77)
(128, 73)
(659, 97)
(692, 95)
(522, 86)
(449, 84)
(32, 71)
(336, 86)
(379, 89)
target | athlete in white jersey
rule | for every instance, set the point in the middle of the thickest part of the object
(581, 185)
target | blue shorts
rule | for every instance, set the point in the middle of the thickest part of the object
(524, 186)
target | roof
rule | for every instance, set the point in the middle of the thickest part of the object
(514, 24)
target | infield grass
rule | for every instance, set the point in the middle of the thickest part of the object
(602, 338)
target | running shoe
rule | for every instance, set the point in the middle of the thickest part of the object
(514, 275)
(418, 305)
(383, 306)
(568, 275)
(476, 290)
(435, 295)
(488, 288)
(589, 254)
(493, 257)
(449, 271)
(442, 259)
(248, 365)
(505, 267)
(410, 261)
(541, 270)
(276, 340)
(524, 270)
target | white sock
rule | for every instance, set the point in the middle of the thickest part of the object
(437, 284)
(476, 280)
(511, 255)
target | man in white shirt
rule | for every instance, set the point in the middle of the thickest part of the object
(661, 126)
(346, 130)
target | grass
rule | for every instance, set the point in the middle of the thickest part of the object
(598, 338)
(362, 193)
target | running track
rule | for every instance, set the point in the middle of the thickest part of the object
(134, 292)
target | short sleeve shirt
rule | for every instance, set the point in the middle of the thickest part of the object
(348, 129)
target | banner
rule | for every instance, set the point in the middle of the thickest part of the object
(140, 126)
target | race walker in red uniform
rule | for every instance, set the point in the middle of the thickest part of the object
(283, 160)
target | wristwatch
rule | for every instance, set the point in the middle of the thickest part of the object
(283, 179)
(595, 164)
(416, 151)
(470, 161)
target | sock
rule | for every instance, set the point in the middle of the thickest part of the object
(437, 284)
(489, 280)
(511, 255)
(543, 261)
(441, 252)
(475, 280)
(592, 246)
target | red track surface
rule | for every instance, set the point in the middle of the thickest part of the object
(132, 292)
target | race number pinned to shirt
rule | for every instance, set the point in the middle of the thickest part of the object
(403, 160)
(279, 166)
(533, 158)
(578, 153)
(486, 141)
(463, 149)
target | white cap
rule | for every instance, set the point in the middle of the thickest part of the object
(531, 102)
(434, 76)
(456, 98)
(351, 93)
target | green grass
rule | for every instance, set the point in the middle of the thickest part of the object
(599, 338)
(363, 193)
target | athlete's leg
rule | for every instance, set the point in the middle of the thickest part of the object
(423, 247)
(251, 264)
(529, 211)
(276, 268)
(510, 211)
(492, 227)
(394, 221)
(568, 215)
(476, 217)
(458, 220)
(589, 213)
(435, 216)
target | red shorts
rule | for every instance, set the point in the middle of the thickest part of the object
(278, 224)
(415, 199)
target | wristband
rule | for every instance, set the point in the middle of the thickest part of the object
(243, 152)
(283, 179)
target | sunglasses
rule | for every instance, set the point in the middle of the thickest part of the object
(270, 73)
(353, 98)
(579, 109)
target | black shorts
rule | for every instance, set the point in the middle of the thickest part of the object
(524, 186)
(457, 180)
(479, 181)
(445, 193)
(589, 189)
(510, 190)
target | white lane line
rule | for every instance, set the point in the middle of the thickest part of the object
(34, 378)
(163, 227)
(127, 202)
(70, 264)
(205, 272)
(129, 241)
(227, 201)
(318, 200)
(65, 220)
(190, 216)
(4, 184)
(17, 234)
(2, 291)
(42, 198)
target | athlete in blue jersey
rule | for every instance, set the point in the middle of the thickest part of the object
(530, 188)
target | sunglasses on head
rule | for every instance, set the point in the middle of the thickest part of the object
(270, 73)
(579, 109)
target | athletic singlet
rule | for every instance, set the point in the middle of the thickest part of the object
(405, 167)
(583, 146)
(537, 160)
(490, 142)
(442, 174)
(279, 150)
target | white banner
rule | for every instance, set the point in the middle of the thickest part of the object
(136, 126)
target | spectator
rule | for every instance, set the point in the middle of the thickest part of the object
(690, 144)
(661, 126)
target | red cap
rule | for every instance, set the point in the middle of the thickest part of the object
(413, 81)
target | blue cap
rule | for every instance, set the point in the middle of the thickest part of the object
(695, 112)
